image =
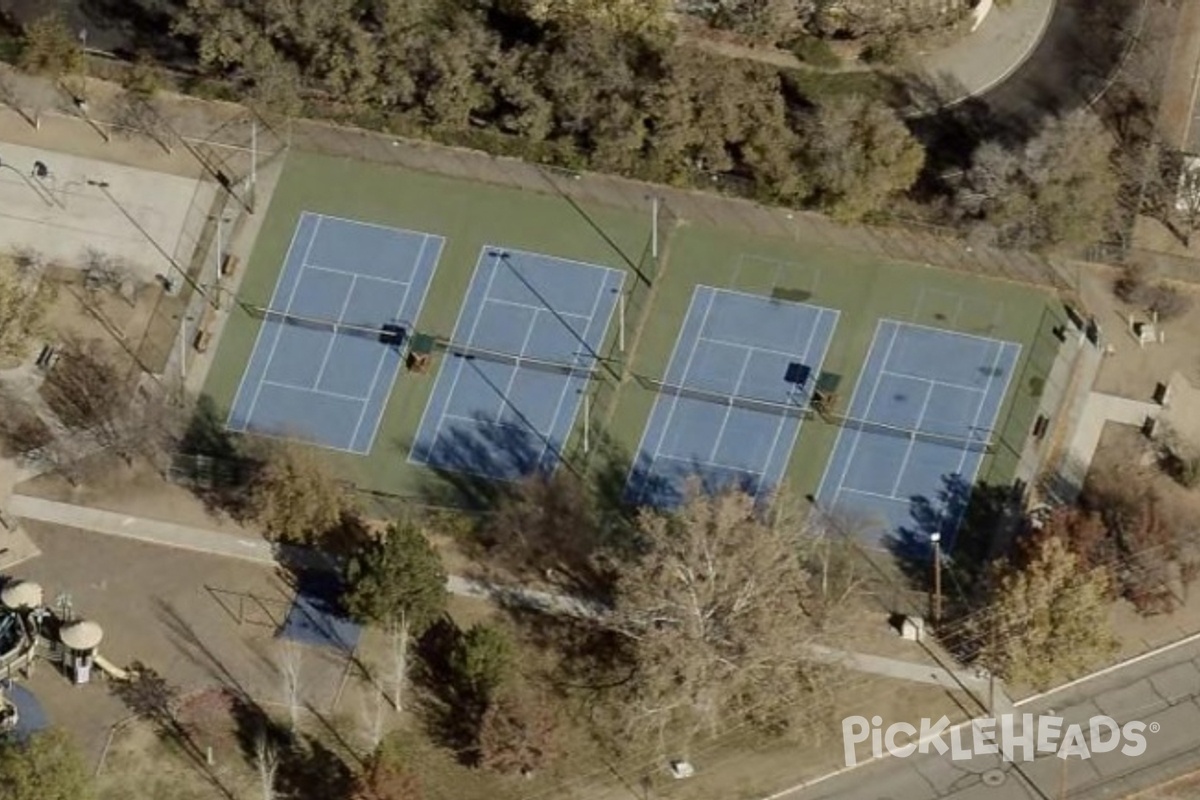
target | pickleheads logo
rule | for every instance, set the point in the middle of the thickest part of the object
(1007, 736)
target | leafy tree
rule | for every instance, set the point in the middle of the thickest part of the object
(623, 16)
(1048, 618)
(143, 78)
(1059, 189)
(519, 732)
(50, 48)
(1084, 532)
(713, 613)
(24, 301)
(398, 582)
(861, 155)
(482, 661)
(549, 524)
(47, 766)
(294, 497)
(766, 21)
(385, 779)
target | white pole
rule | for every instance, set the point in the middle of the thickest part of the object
(253, 160)
(183, 350)
(587, 420)
(621, 321)
(654, 227)
(217, 265)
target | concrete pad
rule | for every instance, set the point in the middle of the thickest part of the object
(15, 547)
(896, 783)
(1130, 702)
(945, 774)
(1177, 683)
(1052, 771)
(62, 217)
(1175, 734)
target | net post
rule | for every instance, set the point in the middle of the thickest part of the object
(587, 421)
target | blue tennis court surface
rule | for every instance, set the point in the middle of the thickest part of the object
(917, 382)
(519, 361)
(742, 369)
(319, 385)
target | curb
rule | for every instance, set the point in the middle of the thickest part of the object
(1013, 67)
(811, 782)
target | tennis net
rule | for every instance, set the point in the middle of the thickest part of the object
(388, 333)
(778, 407)
(470, 353)
(800, 410)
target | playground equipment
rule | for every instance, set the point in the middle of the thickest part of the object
(80, 638)
(29, 628)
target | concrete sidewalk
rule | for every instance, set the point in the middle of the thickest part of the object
(166, 534)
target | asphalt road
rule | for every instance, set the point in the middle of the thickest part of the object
(1162, 691)
(1083, 46)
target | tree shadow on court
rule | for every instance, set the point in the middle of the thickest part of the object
(475, 465)
(989, 515)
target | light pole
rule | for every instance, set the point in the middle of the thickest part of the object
(103, 187)
(935, 539)
(50, 202)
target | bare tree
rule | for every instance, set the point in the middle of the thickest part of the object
(373, 707)
(289, 660)
(266, 761)
(519, 732)
(25, 297)
(1060, 188)
(714, 613)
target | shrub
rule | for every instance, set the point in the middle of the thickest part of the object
(814, 51)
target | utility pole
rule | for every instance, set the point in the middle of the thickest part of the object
(935, 539)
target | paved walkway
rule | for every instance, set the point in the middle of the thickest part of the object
(259, 551)
(982, 59)
(1001, 37)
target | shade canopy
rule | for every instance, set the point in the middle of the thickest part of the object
(25, 594)
(82, 635)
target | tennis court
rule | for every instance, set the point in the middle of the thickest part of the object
(329, 347)
(522, 354)
(924, 409)
(736, 390)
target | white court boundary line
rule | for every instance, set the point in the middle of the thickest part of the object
(415, 268)
(461, 362)
(601, 290)
(818, 314)
(357, 275)
(912, 442)
(783, 419)
(1001, 346)
(866, 412)
(496, 253)
(279, 326)
(384, 352)
(258, 336)
(641, 448)
(333, 338)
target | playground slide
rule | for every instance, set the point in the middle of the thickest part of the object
(110, 669)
